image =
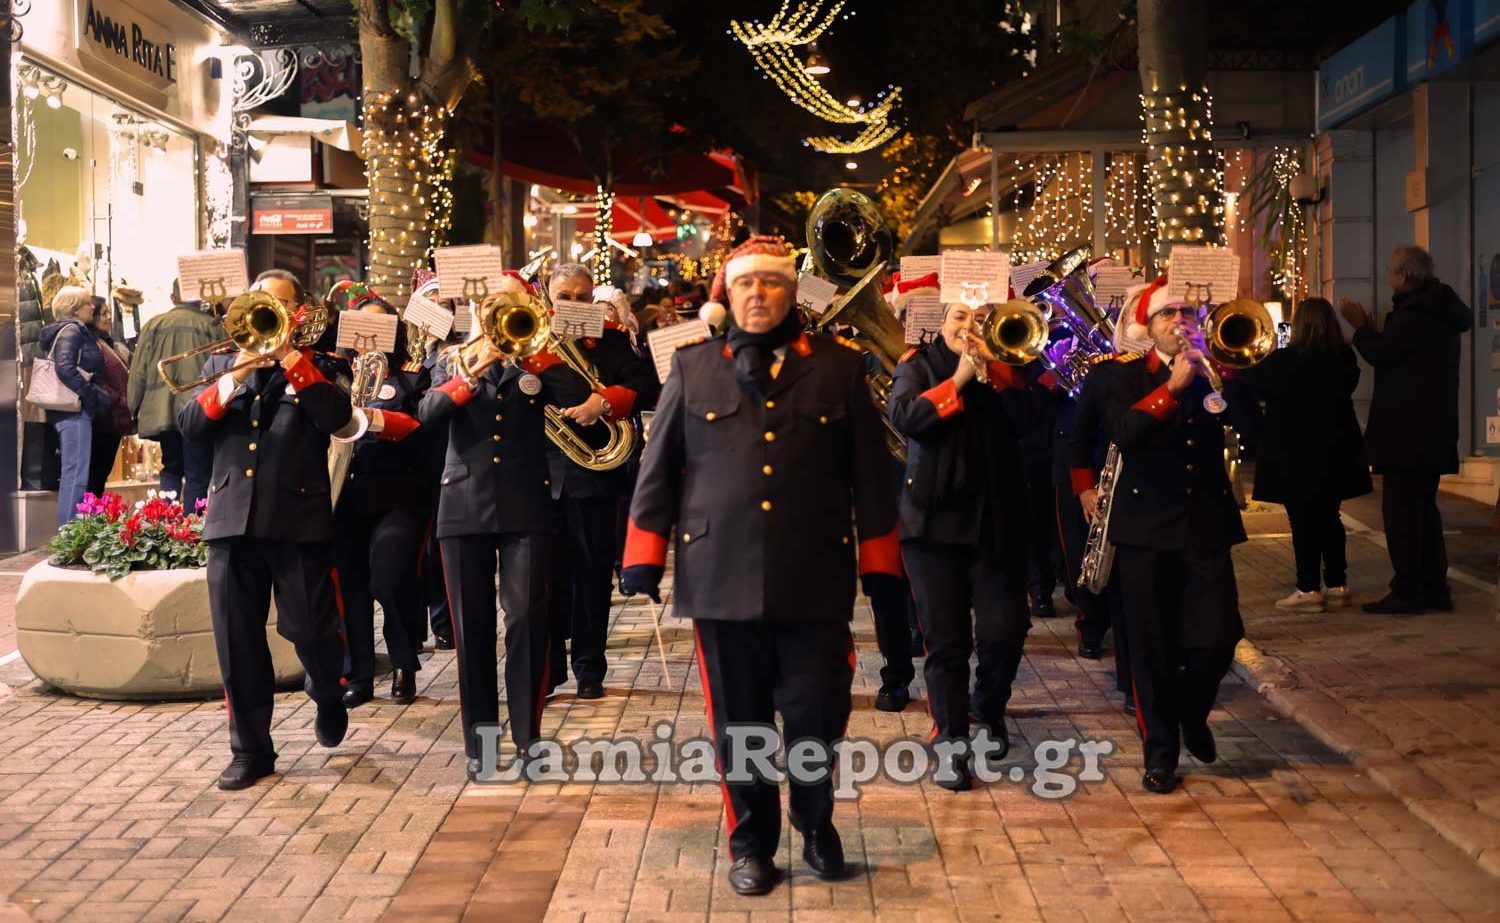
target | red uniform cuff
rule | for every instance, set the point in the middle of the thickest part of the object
(1003, 376)
(1049, 381)
(1082, 479)
(1159, 403)
(643, 547)
(458, 391)
(945, 398)
(881, 555)
(621, 402)
(302, 373)
(396, 425)
(208, 399)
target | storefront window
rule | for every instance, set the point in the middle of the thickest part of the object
(110, 194)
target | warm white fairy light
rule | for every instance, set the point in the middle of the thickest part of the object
(408, 171)
(1062, 207)
(801, 27)
(1187, 174)
(1128, 216)
(604, 228)
(872, 137)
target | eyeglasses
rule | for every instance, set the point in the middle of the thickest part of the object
(1180, 313)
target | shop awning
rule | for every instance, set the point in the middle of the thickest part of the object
(343, 135)
(629, 219)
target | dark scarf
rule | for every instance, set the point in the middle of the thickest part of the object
(953, 476)
(755, 353)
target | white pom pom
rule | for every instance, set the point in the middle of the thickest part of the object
(713, 313)
(1137, 332)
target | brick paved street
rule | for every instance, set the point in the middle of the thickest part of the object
(108, 811)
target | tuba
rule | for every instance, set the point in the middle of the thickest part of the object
(1066, 288)
(517, 326)
(849, 243)
(256, 322)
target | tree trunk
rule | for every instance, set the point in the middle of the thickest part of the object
(1173, 52)
(402, 200)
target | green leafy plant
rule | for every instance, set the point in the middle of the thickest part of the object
(1277, 216)
(113, 538)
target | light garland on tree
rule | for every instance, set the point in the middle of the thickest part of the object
(604, 228)
(408, 173)
(1187, 173)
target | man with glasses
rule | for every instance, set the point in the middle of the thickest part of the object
(1173, 522)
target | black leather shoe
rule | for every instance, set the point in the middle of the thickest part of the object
(403, 686)
(590, 689)
(331, 725)
(1392, 604)
(893, 698)
(1200, 743)
(355, 696)
(1129, 705)
(956, 774)
(1159, 781)
(1091, 650)
(1041, 606)
(243, 772)
(1440, 603)
(751, 875)
(442, 642)
(823, 852)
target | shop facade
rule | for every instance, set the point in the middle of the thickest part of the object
(121, 115)
(1408, 150)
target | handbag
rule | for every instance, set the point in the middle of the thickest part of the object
(47, 390)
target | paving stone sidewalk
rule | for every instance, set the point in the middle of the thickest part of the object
(108, 811)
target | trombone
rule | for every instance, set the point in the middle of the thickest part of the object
(1015, 331)
(257, 322)
(518, 325)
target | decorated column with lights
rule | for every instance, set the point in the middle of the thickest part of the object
(604, 229)
(1177, 112)
(410, 199)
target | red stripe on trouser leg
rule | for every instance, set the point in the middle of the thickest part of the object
(338, 603)
(927, 702)
(1140, 713)
(731, 821)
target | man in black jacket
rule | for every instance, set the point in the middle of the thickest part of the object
(1412, 434)
(1173, 521)
(494, 509)
(764, 448)
(269, 528)
(585, 501)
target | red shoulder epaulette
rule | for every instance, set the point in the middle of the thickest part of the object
(539, 362)
(907, 356)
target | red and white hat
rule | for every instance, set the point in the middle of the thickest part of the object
(906, 289)
(761, 253)
(1143, 302)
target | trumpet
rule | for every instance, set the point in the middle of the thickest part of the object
(518, 325)
(257, 322)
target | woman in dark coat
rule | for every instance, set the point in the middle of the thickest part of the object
(1310, 457)
(112, 427)
(80, 366)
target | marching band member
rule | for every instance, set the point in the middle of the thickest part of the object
(269, 529)
(493, 509)
(382, 519)
(583, 560)
(963, 528)
(425, 282)
(764, 447)
(1173, 522)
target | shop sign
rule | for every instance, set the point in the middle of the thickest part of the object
(301, 214)
(117, 34)
(1362, 74)
(1439, 35)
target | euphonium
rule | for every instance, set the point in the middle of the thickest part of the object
(849, 243)
(256, 322)
(518, 325)
(1067, 290)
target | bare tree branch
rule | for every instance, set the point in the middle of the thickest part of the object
(384, 53)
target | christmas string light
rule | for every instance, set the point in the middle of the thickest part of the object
(1187, 173)
(1128, 216)
(872, 137)
(409, 175)
(1061, 210)
(604, 229)
(796, 29)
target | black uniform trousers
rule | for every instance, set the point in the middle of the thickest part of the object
(434, 594)
(1319, 542)
(1414, 534)
(1183, 621)
(469, 568)
(243, 572)
(379, 556)
(581, 569)
(950, 581)
(1093, 610)
(1043, 549)
(751, 671)
(891, 604)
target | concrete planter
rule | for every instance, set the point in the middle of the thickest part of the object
(144, 636)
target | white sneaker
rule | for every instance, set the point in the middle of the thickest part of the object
(1302, 602)
(1337, 597)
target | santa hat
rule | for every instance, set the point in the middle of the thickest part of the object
(761, 253)
(1143, 302)
(907, 289)
(424, 282)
